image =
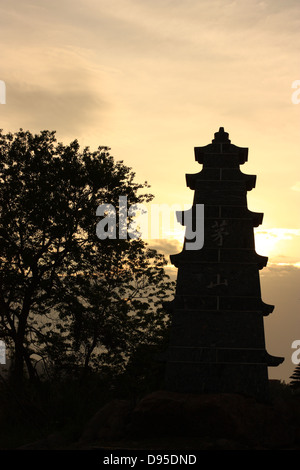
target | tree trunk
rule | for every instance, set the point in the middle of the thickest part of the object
(32, 374)
(21, 355)
(18, 363)
(88, 356)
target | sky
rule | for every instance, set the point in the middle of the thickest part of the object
(152, 80)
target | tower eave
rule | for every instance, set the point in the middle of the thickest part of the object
(225, 149)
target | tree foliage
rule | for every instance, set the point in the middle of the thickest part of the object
(68, 299)
(295, 378)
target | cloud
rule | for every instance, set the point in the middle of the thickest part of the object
(57, 108)
(281, 233)
(157, 78)
(159, 60)
(280, 244)
(296, 186)
(59, 91)
(167, 247)
(280, 287)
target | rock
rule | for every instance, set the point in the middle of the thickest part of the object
(53, 441)
(165, 413)
(108, 423)
(226, 417)
(216, 421)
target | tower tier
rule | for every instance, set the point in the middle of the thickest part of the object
(217, 340)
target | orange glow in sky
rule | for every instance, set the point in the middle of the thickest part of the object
(154, 79)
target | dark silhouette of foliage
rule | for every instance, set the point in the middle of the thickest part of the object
(295, 382)
(69, 301)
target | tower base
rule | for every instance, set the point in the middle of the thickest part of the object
(245, 379)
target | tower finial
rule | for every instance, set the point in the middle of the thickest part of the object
(221, 136)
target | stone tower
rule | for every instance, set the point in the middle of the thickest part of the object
(217, 341)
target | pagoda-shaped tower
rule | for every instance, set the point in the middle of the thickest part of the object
(217, 341)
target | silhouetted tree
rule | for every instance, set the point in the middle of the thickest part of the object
(63, 292)
(295, 382)
(108, 308)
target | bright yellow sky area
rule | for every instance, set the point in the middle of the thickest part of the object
(153, 79)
